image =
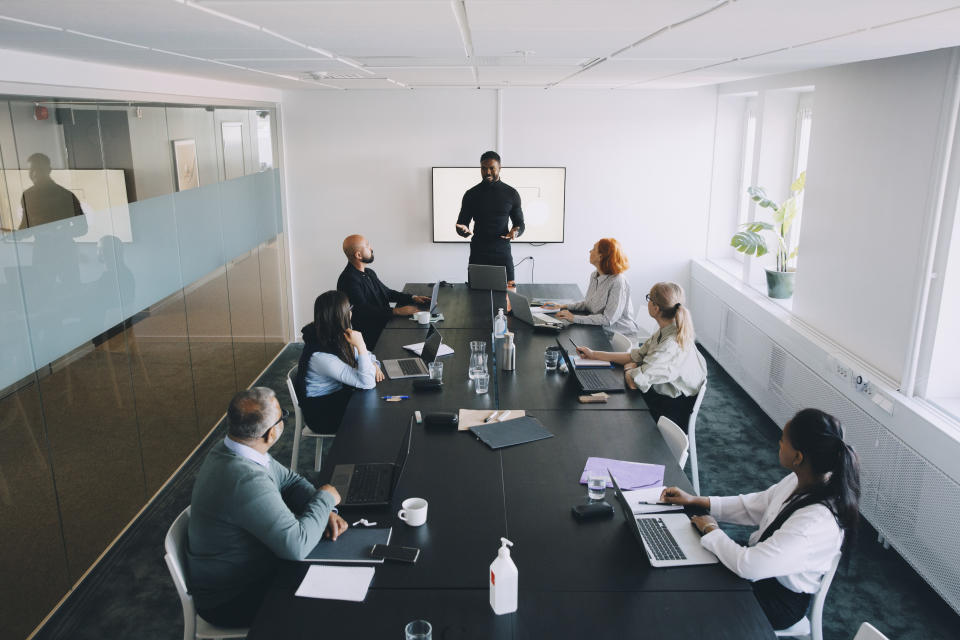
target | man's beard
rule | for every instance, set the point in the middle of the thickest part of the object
(367, 260)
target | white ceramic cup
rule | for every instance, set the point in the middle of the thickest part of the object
(414, 511)
(422, 317)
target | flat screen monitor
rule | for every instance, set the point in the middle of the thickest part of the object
(541, 198)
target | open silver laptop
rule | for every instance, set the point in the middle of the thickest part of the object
(415, 367)
(487, 276)
(669, 539)
(520, 307)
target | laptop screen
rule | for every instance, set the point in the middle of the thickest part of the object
(566, 356)
(435, 298)
(402, 455)
(431, 345)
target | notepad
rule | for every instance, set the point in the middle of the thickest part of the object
(497, 435)
(417, 348)
(475, 417)
(587, 363)
(352, 546)
(630, 475)
(638, 500)
(336, 583)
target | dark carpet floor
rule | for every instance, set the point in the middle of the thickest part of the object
(130, 595)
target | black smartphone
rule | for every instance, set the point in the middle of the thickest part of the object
(395, 552)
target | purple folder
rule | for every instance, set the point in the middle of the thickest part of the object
(630, 475)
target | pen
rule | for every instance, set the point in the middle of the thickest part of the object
(575, 347)
(503, 416)
(394, 398)
(490, 417)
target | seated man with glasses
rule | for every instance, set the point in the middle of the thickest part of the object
(248, 511)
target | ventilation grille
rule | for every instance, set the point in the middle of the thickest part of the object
(902, 495)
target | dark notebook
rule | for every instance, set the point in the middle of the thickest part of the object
(352, 546)
(497, 435)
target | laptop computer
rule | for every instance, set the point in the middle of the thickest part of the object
(415, 367)
(371, 483)
(521, 310)
(435, 300)
(487, 276)
(593, 380)
(669, 539)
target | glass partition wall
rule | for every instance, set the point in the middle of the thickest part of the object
(141, 285)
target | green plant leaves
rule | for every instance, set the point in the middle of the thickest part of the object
(799, 183)
(750, 242)
(758, 195)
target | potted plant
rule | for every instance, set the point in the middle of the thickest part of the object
(751, 241)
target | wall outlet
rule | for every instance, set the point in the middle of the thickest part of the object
(862, 385)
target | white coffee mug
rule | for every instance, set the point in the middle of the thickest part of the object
(423, 317)
(414, 511)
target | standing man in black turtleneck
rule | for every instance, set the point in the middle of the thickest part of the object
(491, 205)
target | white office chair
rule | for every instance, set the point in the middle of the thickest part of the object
(194, 627)
(692, 437)
(675, 438)
(869, 632)
(620, 343)
(810, 626)
(302, 430)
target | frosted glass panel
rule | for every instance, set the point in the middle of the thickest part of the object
(17, 361)
(247, 210)
(198, 230)
(148, 269)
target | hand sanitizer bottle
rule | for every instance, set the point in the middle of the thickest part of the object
(500, 325)
(503, 581)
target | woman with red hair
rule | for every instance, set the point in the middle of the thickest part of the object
(608, 302)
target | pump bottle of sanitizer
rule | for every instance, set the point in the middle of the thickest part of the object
(503, 581)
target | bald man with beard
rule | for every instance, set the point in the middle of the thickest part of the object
(371, 298)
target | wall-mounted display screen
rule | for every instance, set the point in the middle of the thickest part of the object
(541, 198)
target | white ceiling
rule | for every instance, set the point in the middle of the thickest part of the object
(375, 44)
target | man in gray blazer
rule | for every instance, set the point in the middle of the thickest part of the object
(248, 511)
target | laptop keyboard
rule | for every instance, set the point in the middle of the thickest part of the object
(659, 539)
(410, 366)
(594, 379)
(370, 484)
(542, 317)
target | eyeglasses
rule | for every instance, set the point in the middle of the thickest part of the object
(647, 297)
(284, 414)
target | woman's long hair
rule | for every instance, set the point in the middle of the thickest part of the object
(613, 260)
(331, 318)
(673, 306)
(819, 437)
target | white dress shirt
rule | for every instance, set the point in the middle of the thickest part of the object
(797, 554)
(242, 450)
(608, 304)
(665, 367)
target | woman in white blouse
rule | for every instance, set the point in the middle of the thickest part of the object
(667, 368)
(804, 520)
(608, 302)
(334, 361)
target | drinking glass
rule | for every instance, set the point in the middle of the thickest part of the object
(483, 382)
(436, 371)
(550, 359)
(419, 630)
(596, 485)
(478, 364)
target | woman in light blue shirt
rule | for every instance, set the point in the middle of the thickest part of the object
(335, 361)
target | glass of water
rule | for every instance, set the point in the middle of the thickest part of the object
(483, 382)
(478, 364)
(419, 630)
(596, 485)
(550, 359)
(436, 370)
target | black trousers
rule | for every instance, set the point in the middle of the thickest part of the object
(495, 253)
(783, 607)
(240, 611)
(677, 409)
(324, 413)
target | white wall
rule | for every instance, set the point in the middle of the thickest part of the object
(638, 168)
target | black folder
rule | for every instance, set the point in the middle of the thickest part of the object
(497, 435)
(352, 546)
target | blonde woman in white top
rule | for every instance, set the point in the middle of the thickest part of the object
(667, 368)
(803, 521)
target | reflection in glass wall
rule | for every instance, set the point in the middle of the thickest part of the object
(130, 312)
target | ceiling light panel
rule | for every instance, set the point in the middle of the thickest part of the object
(359, 29)
(570, 28)
(747, 27)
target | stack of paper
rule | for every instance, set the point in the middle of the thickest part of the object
(641, 501)
(630, 475)
(336, 583)
(585, 363)
(417, 348)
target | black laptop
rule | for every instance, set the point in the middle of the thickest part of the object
(371, 484)
(593, 380)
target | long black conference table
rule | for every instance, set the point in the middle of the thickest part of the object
(577, 579)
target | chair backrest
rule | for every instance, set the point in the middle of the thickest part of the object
(175, 545)
(675, 437)
(696, 407)
(292, 388)
(620, 342)
(869, 632)
(816, 613)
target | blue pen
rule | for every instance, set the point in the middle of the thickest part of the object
(393, 398)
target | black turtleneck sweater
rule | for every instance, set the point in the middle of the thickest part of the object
(491, 206)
